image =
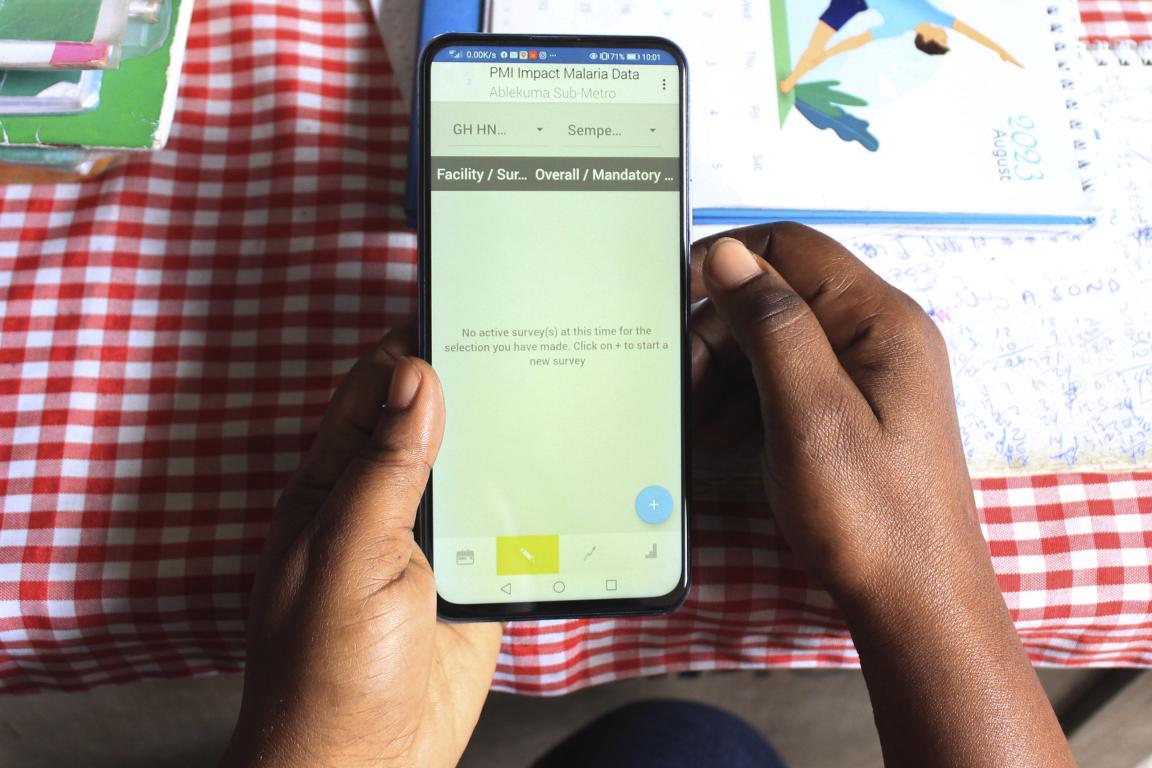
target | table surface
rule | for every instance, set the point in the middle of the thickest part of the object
(170, 334)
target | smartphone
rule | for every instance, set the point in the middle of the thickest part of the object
(553, 276)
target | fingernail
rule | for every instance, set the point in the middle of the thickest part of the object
(730, 264)
(405, 383)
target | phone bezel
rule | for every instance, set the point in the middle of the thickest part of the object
(558, 609)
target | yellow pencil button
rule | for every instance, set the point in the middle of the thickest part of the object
(527, 555)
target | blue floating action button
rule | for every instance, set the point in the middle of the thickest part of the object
(654, 505)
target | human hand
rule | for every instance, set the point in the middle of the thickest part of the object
(865, 474)
(347, 664)
(863, 464)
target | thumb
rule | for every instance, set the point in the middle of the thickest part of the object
(797, 373)
(372, 508)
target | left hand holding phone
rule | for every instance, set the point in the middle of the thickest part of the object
(347, 664)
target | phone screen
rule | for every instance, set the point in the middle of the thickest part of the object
(553, 271)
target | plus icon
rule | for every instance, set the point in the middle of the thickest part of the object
(654, 504)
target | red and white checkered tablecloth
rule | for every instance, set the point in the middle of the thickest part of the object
(169, 337)
(1116, 20)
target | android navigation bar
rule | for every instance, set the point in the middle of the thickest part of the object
(652, 174)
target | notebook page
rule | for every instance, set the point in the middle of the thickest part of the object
(1050, 337)
(1052, 342)
(962, 135)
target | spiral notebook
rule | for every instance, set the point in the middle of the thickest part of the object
(874, 129)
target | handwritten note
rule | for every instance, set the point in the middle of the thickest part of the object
(1050, 340)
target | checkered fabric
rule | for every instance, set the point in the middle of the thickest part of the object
(1116, 20)
(1073, 554)
(169, 337)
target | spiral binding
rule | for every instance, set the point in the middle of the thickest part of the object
(1124, 53)
(1066, 32)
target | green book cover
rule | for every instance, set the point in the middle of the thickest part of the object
(137, 101)
(65, 20)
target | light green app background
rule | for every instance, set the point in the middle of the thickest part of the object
(555, 328)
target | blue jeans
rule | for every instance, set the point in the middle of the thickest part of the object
(664, 733)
